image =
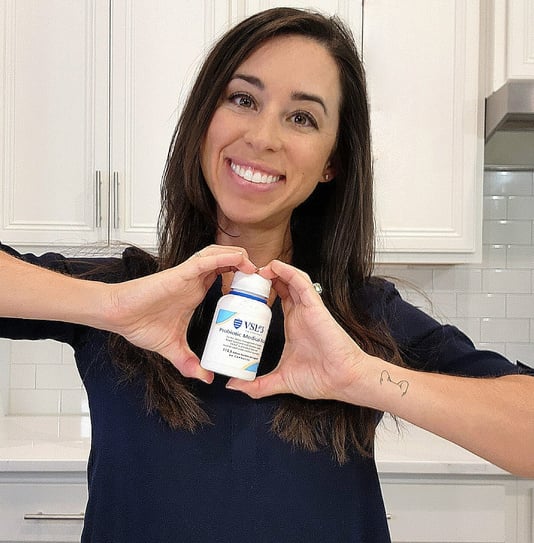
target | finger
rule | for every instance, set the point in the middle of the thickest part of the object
(219, 262)
(299, 284)
(266, 385)
(189, 366)
(217, 249)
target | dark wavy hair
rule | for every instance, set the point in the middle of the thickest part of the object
(332, 232)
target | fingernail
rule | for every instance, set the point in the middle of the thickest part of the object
(231, 387)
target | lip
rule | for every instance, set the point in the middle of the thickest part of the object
(253, 173)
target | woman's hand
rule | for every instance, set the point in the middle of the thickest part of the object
(319, 360)
(153, 312)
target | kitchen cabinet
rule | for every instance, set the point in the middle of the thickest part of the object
(510, 37)
(42, 506)
(91, 95)
(422, 64)
(447, 509)
(93, 89)
(456, 507)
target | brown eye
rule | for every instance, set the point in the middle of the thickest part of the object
(301, 118)
(242, 100)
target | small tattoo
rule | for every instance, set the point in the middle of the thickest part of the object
(403, 385)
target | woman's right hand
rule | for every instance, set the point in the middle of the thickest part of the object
(153, 312)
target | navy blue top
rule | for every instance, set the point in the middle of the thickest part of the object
(233, 481)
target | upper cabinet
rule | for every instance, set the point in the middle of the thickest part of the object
(54, 119)
(510, 38)
(92, 91)
(91, 95)
(422, 64)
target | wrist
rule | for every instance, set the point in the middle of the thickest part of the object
(380, 385)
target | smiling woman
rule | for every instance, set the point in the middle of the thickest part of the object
(270, 141)
(270, 165)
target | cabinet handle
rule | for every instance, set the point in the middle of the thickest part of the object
(98, 199)
(53, 516)
(115, 200)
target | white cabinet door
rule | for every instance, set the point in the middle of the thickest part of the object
(446, 511)
(422, 63)
(520, 39)
(93, 90)
(41, 507)
(156, 48)
(53, 58)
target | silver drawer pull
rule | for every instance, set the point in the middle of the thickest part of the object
(53, 516)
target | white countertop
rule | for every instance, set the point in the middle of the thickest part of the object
(59, 444)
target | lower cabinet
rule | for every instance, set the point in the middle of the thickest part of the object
(42, 507)
(455, 508)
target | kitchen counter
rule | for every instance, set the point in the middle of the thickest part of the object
(61, 444)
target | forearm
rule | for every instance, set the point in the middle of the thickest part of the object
(32, 292)
(492, 417)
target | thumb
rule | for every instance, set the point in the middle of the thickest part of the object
(188, 364)
(266, 385)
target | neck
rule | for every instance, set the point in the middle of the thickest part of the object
(262, 246)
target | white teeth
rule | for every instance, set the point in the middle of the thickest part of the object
(254, 176)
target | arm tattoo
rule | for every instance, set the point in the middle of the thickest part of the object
(403, 385)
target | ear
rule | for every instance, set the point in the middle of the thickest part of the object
(328, 174)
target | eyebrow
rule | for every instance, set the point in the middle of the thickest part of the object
(294, 95)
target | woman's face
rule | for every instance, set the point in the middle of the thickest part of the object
(271, 137)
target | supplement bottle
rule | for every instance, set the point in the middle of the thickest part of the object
(239, 328)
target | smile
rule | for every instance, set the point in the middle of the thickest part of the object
(253, 175)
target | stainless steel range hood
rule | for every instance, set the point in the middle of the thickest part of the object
(511, 107)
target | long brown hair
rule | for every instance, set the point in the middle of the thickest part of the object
(332, 232)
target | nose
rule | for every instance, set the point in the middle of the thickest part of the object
(263, 132)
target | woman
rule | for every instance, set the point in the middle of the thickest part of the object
(271, 160)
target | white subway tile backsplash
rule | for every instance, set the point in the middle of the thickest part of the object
(494, 347)
(494, 256)
(505, 281)
(29, 402)
(457, 279)
(520, 306)
(520, 208)
(519, 256)
(408, 277)
(513, 232)
(444, 305)
(471, 327)
(524, 352)
(74, 402)
(481, 305)
(61, 376)
(508, 183)
(67, 354)
(22, 376)
(35, 352)
(495, 208)
(504, 330)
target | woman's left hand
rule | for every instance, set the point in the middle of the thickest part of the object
(319, 360)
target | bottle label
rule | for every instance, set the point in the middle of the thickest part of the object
(240, 340)
(237, 337)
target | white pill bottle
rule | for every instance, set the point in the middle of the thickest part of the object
(239, 328)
